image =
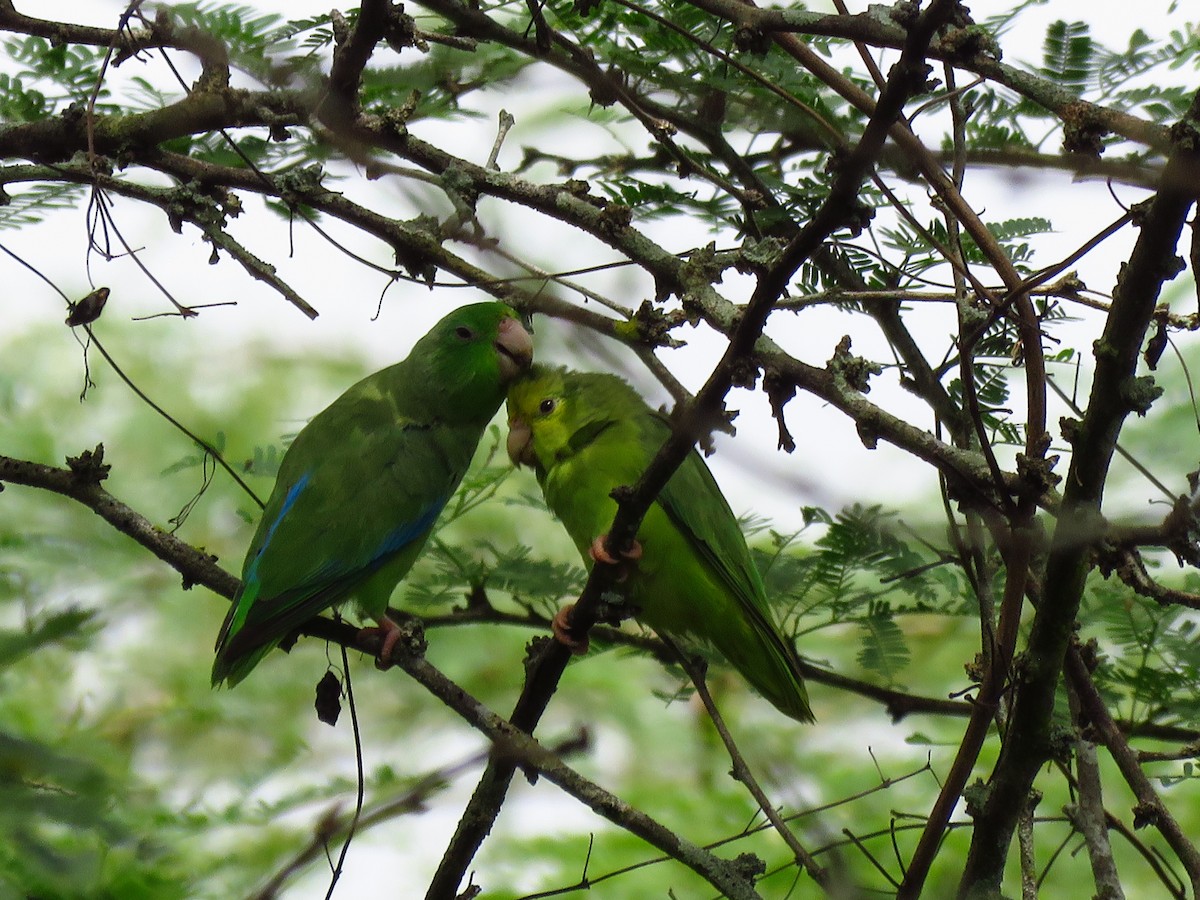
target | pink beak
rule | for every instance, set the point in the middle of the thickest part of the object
(514, 348)
(520, 443)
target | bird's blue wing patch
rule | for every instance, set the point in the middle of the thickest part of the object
(410, 531)
(288, 502)
(396, 540)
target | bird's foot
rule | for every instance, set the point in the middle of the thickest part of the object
(389, 633)
(564, 631)
(623, 564)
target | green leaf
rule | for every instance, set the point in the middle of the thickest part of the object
(1068, 55)
(882, 648)
(54, 628)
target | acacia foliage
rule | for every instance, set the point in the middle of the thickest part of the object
(790, 194)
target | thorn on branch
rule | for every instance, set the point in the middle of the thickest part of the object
(579, 188)
(607, 91)
(614, 219)
(89, 466)
(1083, 130)
(662, 129)
(703, 266)
(186, 582)
(976, 796)
(743, 373)
(1140, 392)
(1037, 471)
(1145, 813)
(756, 257)
(780, 391)
(1158, 341)
(868, 435)
(534, 651)
(752, 40)
(1068, 427)
(400, 30)
(477, 599)
(749, 866)
(967, 41)
(411, 642)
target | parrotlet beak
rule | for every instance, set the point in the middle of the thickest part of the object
(514, 348)
(520, 443)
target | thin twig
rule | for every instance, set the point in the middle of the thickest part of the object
(360, 788)
(743, 773)
(1088, 815)
(1150, 809)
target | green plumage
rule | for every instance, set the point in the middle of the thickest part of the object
(361, 486)
(585, 434)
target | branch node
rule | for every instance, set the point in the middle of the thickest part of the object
(1139, 393)
(1146, 813)
(854, 371)
(89, 466)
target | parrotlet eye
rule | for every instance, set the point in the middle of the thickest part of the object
(547, 406)
(464, 332)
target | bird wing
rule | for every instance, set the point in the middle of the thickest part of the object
(356, 489)
(694, 502)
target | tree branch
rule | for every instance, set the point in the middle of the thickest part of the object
(81, 482)
(1150, 809)
(515, 746)
(1087, 814)
(1114, 394)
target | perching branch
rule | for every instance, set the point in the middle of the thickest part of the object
(514, 745)
(82, 482)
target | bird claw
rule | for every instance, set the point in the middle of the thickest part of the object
(598, 553)
(388, 632)
(564, 631)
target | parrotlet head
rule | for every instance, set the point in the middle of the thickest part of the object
(548, 406)
(470, 356)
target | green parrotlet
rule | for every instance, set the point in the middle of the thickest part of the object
(361, 486)
(690, 575)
